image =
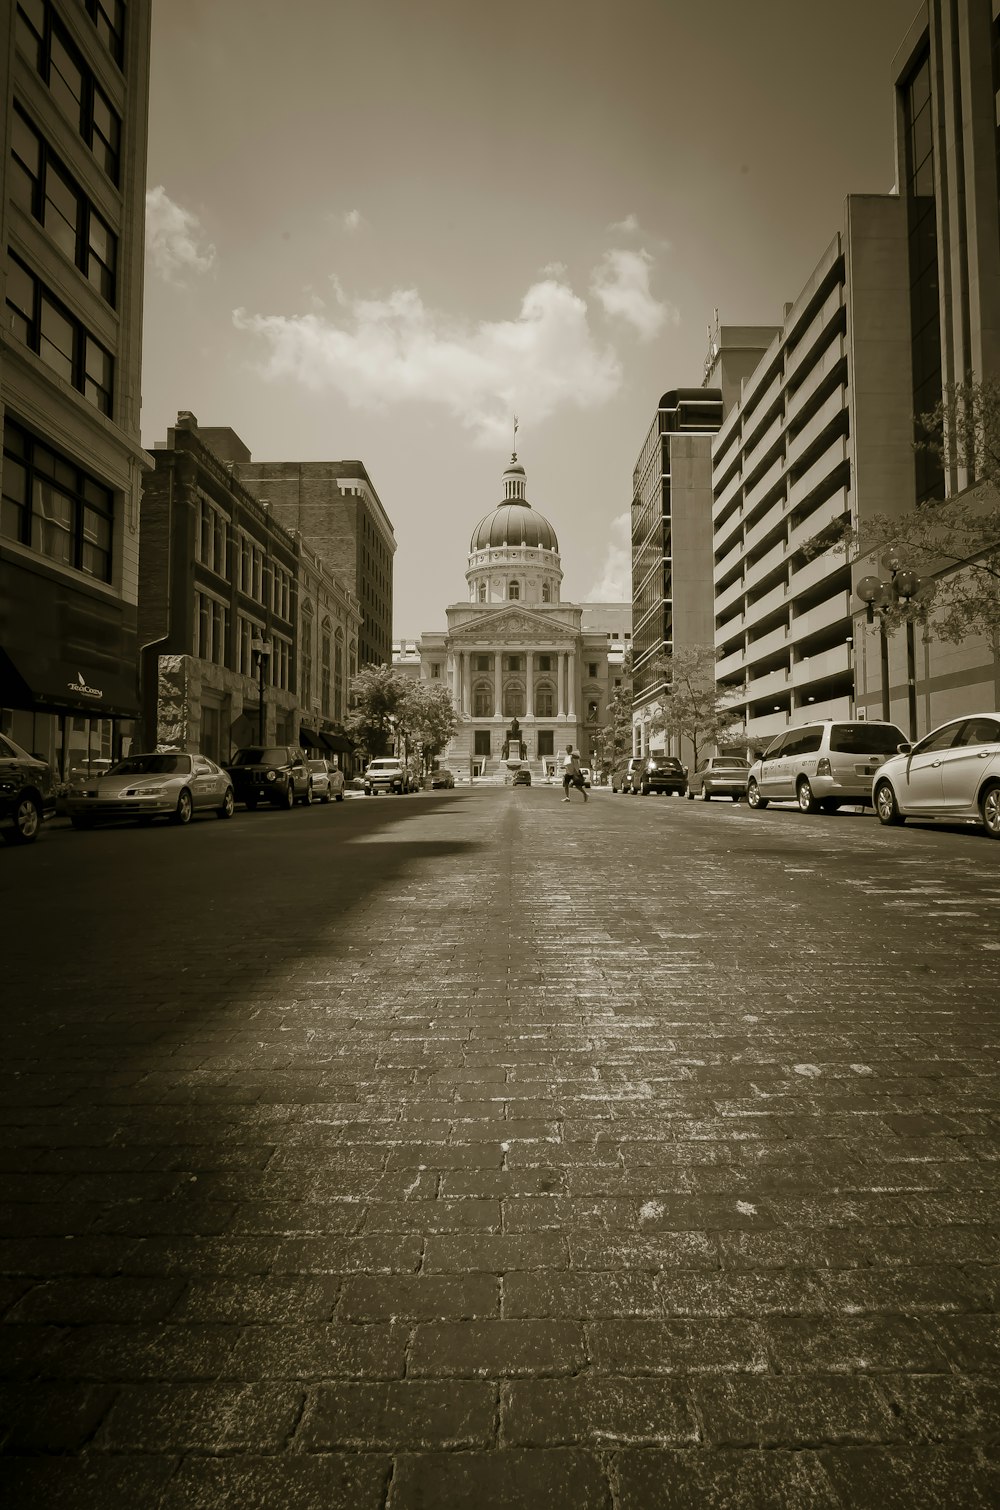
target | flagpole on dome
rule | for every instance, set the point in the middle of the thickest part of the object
(513, 455)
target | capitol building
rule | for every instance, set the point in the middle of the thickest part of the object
(527, 672)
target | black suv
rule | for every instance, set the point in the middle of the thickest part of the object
(277, 774)
(27, 793)
(660, 773)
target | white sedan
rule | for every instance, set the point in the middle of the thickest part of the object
(327, 780)
(161, 784)
(953, 772)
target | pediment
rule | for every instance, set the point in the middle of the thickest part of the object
(514, 626)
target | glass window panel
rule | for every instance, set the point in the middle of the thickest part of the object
(96, 528)
(30, 29)
(55, 345)
(65, 79)
(52, 524)
(95, 562)
(27, 154)
(920, 138)
(15, 479)
(62, 211)
(20, 301)
(13, 517)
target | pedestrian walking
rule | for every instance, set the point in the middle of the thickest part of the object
(572, 773)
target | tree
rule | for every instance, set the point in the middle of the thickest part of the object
(692, 704)
(953, 544)
(377, 697)
(614, 739)
(429, 718)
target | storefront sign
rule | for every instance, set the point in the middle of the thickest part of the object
(80, 688)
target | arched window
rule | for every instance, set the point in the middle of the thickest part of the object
(514, 590)
(482, 700)
(338, 675)
(482, 592)
(325, 668)
(546, 592)
(513, 700)
(593, 708)
(545, 701)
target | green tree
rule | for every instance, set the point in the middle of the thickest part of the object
(614, 739)
(429, 718)
(377, 699)
(692, 705)
(952, 544)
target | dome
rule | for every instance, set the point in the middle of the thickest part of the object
(514, 522)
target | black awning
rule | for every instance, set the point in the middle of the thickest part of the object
(336, 742)
(43, 681)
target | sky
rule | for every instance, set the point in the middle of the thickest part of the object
(379, 229)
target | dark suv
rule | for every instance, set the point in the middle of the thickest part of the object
(277, 774)
(27, 793)
(660, 773)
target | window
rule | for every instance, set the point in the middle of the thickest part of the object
(544, 663)
(54, 507)
(481, 662)
(338, 676)
(306, 646)
(325, 647)
(593, 670)
(247, 632)
(593, 710)
(62, 342)
(923, 266)
(211, 627)
(513, 701)
(281, 662)
(546, 742)
(545, 703)
(514, 590)
(482, 592)
(513, 663)
(435, 671)
(482, 742)
(211, 545)
(546, 592)
(72, 85)
(109, 18)
(482, 701)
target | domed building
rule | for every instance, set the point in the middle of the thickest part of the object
(528, 673)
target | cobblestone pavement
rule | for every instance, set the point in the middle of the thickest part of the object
(474, 1150)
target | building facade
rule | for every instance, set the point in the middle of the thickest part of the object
(74, 86)
(219, 579)
(528, 673)
(335, 507)
(671, 547)
(329, 622)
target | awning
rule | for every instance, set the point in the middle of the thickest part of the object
(42, 681)
(308, 740)
(336, 742)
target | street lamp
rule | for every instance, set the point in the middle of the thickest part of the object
(262, 651)
(880, 596)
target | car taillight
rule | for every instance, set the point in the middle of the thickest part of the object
(823, 767)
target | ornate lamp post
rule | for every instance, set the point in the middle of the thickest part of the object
(262, 653)
(879, 596)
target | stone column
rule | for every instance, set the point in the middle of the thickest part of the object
(497, 685)
(456, 679)
(561, 704)
(465, 683)
(529, 690)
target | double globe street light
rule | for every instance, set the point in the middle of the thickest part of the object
(881, 596)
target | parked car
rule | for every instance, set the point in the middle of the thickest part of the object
(953, 772)
(277, 774)
(720, 776)
(327, 780)
(27, 793)
(587, 775)
(157, 784)
(660, 773)
(387, 774)
(522, 777)
(442, 778)
(621, 776)
(822, 765)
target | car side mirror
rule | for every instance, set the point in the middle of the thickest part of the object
(904, 748)
(758, 754)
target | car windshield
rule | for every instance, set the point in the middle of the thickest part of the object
(729, 763)
(664, 763)
(318, 765)
(865, 739)
(153, 765)
(383, 765)
(257, 755)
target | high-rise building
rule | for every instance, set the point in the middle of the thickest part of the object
(671, 546)
(74, 86)
(334, 505)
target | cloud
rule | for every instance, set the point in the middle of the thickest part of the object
(352, 220)
(627, 227)
(614, 582)
(397, 350)
(175, 239)
(621, 284)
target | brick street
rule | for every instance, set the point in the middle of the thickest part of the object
(474, 1150)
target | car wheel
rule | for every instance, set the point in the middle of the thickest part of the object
(690, 795)
(645, 790)
(706, 795)
(228, 804)
(27, 817)
(181, 814)
(989, 811)
(805, 797)
(325, 797)
(287, 800)
(307, 799)
(340, 796)
(886, 805)
(755, 800)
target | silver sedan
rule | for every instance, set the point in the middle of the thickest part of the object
(327, 780)
(953, 772)
(167, 784)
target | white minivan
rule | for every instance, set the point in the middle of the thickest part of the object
(823, 764)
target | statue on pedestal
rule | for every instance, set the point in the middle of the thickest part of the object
(514, 747)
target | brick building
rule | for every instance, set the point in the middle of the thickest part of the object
(74, 88)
